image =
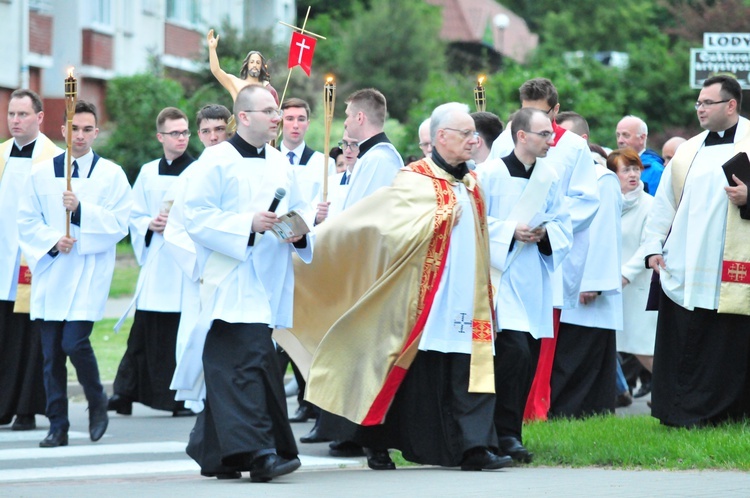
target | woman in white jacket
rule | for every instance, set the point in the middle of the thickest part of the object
(639, 331)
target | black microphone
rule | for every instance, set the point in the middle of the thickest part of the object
(280, 193)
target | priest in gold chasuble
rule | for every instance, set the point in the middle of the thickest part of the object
(396, 311)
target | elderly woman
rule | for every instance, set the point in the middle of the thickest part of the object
(639, 331)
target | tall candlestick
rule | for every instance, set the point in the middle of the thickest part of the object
(480, 98)
(71, 96)
(329, 100)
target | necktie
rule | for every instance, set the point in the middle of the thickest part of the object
(75, 170)
(290, 155)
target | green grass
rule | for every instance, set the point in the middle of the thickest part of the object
(108, 347)
(126, 272)
(633, 442)
(638, 442)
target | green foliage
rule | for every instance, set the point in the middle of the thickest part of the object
(637, 442)
(596, 26)
(393, 48)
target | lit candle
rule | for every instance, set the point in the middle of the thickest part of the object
(480, 98)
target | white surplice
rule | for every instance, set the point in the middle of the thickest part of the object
(253, 284)
(524, 295)
(73, 286)
(376, 168)
(603, 261)
(448, 328)
(694, 250)
(14, 176)
(160, 282)
(572, 161)
(638, 334)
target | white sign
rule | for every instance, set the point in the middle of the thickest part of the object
(707, 63)
(726, 41)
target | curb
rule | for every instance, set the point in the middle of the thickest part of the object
(75, 389)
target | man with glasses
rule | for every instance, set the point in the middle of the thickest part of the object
(570, 157)
(530, 235)
(247, 285)
(416, 322)
(72, 273)
(632, 132)
(148, 364)
(697, 240)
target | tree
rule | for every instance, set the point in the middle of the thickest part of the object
(393, 47)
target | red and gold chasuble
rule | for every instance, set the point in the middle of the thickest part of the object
(361, 306)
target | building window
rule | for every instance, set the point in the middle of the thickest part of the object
(100, 12)
(39, 5)
(184, 11)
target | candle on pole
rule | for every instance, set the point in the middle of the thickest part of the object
(480, 97)
(71, 96)
(329, 100)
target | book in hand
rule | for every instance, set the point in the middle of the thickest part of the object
(290, 224)
(739, 166)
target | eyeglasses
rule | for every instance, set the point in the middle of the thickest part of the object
(425, 144)
(707, 103)
(544, 134)
(270, 112)
(348, 145)
(177, 134)
(464, 133)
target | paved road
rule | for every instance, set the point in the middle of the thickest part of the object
(144, 455)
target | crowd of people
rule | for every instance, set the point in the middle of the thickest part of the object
(431, 307)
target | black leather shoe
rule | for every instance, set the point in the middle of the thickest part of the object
(513, 448)
(643, 390)
(483, 459)
(24, 423)
(313, 437)
(223, 475)
(303, 413)
(120, 404)
(345, 449)
(54, 439)
(266, 467)
(183, 412)
(98, 419)
(623, 399)
(380, 460)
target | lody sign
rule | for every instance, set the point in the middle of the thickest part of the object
(722, 53)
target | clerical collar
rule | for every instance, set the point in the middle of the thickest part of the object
(371, 142)
(515, 167)
(458, 171)
(245, 149)
(25, 151)
(721, 137)
(177, 165)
